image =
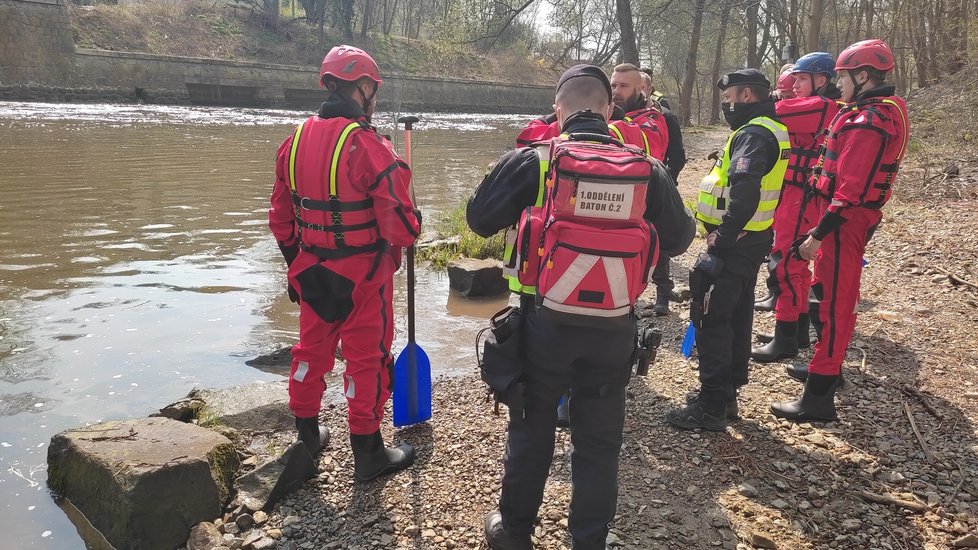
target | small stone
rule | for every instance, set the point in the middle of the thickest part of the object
(747, 490)
(758, 540)
(412, 530)
(968, 541)
(779, 504)
(260, 518)
(852, 524)
(804, 505)
(428, 533)
(614, 540)
(245, 521)
(264, 543)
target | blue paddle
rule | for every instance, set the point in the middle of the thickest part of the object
(412, 370)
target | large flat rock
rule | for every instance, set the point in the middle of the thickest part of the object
(260, 407)
(475, 278)
(143, 483)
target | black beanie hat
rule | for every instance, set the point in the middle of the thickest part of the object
(585, 70)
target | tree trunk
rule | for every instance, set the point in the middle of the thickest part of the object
(367, 6)
(270, 15)
(715, 117)
(629, 46)
(694, 44)
(751, 15)
(815, 26)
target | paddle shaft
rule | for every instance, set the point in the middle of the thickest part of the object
(410, 251)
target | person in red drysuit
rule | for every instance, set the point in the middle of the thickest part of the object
(852, 182)
(786, 83)
(341, 212)
(806, 116)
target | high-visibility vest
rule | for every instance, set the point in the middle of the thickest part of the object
(510, 269)
(714, 191)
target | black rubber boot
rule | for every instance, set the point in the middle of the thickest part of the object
(766, 304)
(799, 371)
(500, 539)
(661, 306)
(817, 402)
(783, 346)
(371, 459)
(312, 434)
(804, 338)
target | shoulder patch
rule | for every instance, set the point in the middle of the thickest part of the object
(742, 165)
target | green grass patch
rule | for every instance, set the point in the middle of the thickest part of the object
(469, 244)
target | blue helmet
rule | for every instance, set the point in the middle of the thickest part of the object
(816, 63)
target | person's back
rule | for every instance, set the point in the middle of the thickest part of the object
(595, 363)
(340, 213)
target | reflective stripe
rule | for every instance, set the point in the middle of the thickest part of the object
(614, 268)
(714, 189)
(301, 370)
(588, 311)
(621, 137)
(295, 147)
(569, 279)
(336, 156)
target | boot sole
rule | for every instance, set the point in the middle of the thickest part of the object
(694, 426)
(386, 471)
(803, 417)
(774, 358)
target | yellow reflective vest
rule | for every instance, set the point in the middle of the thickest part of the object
(714, 193)
(510, 267)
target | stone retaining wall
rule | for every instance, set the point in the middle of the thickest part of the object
(38, 61)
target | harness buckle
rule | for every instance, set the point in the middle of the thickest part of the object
(302, 203)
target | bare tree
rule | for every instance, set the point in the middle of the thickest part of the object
(694, 44)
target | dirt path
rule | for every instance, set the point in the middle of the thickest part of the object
(762, 484)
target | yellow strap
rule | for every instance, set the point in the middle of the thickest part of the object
(617, 132)
(544, 168)
(336, 156)
(906, 128)
(295, 147)
(645, 139)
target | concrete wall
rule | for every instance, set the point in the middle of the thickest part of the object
(36, 46)
(38, 60)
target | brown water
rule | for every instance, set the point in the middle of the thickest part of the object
(136, 264)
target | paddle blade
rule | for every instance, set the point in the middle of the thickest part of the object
(412, 386)
(689, 341)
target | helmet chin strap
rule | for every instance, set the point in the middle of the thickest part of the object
(856, 87)
(367, 99)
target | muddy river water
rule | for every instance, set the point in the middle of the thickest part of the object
(136, 264)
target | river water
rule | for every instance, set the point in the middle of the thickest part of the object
(136, 264)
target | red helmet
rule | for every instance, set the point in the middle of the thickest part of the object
(785, 83)
(349, 64)
(867, 53)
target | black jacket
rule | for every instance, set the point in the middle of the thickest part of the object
(753, 152)
(675, 152)
(512, 183)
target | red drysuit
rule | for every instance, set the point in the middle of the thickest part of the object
(354, 215)
(653, 138)
(866, 142)
(806, 119)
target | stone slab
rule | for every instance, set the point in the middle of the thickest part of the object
(260, 407)
(143, 483)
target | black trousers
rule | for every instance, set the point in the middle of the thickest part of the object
(723, 340)
(660, 274)
(595, 364)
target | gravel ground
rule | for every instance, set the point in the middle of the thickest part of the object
(906, 433)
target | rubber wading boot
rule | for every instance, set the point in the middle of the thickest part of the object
(312, 434)
(371, 459)
(500, 539)
(661, 306)
(817, 402)
(766, 304)
(799, 371)
(804, 338)
(783, 346)
(694, 415)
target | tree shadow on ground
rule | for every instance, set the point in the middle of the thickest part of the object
(801, 485)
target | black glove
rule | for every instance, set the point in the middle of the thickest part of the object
(794, 250)
(293, 294)
(417, 214)
(289, 251)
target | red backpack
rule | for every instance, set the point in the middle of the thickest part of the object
(588, 249)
